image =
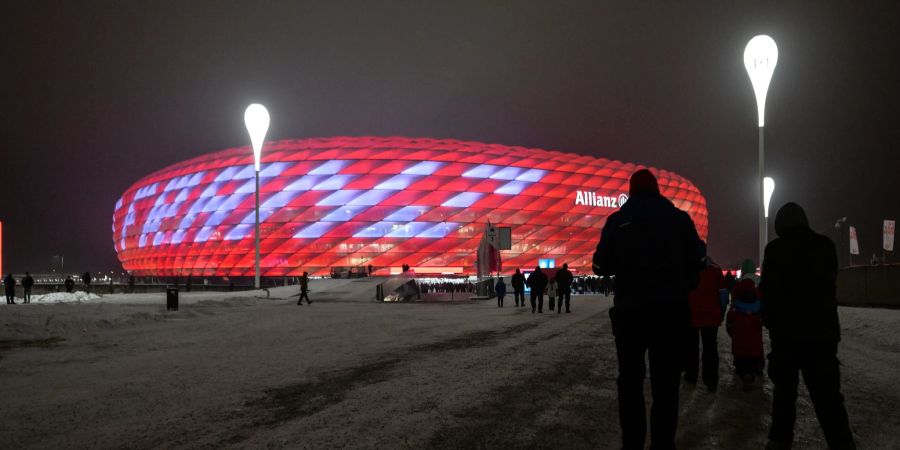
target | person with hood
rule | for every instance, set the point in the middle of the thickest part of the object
(564, 285)
(744, 325)
(537, 281)
(518, 285)
(10, 286)
(653, 250)
(27, 284)
(706, 317)
(799, 307)
(500, 291)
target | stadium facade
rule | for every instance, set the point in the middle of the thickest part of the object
(353, 202)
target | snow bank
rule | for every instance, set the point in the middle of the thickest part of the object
(64, 297)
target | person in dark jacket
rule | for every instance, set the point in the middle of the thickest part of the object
(799, 307)
(500, 291)
(730, 281)
(27, 284)
(9, 284)
(70, 284)
(564, 287)
(518, 285)
(706, 317)
(654, 252)
(537, 281)
(304, 289)
(86, 278)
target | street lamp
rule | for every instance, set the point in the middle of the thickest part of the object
(760, 57)
(256, 117)
(768, 189)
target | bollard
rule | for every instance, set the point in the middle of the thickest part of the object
(172, 299)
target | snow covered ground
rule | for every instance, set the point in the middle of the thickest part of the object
(235, 370)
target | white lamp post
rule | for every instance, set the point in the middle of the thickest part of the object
(768, 189)
(256, 117)
(760, 57)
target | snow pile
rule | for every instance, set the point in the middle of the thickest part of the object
(64, 297)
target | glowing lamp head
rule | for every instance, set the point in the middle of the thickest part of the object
(768, 189)
(760, 57)
(256, 117)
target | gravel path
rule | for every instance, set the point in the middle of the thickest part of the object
(251, 373)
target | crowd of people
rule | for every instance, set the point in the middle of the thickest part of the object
(671, 299)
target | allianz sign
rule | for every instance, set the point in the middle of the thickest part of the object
(605, 201)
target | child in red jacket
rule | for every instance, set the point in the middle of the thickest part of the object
(744, 325)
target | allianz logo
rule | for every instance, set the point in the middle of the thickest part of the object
(604, 201)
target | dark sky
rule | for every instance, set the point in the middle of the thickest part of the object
(95, 95)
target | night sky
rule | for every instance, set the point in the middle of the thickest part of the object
(96, 95)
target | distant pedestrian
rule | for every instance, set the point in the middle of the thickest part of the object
(653, 250)
(500, 291)
(537, 281)
(27, 283)
(70, 284)
(518, 285)
(564, 288)
(706, 318)
(730, 281)
(799, 307)
(86, 278)
(552, 289)
(10, 286)
(304, 289)
(744, 325)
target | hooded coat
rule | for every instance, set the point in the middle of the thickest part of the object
(799, 276)
(651, 247)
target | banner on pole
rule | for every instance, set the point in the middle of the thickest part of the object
(889, 235)
(854, 243)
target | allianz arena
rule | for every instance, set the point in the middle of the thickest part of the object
(351, 202)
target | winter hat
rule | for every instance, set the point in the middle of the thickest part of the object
(748, 266)
(791, 215)
(643, 182)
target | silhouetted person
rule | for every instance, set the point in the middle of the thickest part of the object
(730, 280)
(9, 284)
(799, 307)
(130, 283)
(500, 291)
(537, 281)
(86, 279)
(654, 252)
(552, 289)
(304, 289)
(27, 284)
(189, 283)
(564, 287)
(706, 317)
(518, 285)
(70, 284)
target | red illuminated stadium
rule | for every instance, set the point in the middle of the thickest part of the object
(355, 202)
